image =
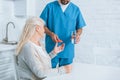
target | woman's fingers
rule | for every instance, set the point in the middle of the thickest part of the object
(62, 47)
(58, 49)
(56, 44)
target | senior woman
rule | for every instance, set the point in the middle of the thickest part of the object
(33, 61)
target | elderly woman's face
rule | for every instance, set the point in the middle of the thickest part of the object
(40, 29)
(64, 2)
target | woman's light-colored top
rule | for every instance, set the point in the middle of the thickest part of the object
(34, 63)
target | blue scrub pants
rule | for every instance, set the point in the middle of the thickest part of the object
(61, 61)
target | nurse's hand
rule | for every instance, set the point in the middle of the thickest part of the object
(77, 39)
(58, 49)
(55, 38)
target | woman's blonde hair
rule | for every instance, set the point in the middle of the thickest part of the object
(28, 31)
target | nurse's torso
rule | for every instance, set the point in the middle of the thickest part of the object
(62, 24)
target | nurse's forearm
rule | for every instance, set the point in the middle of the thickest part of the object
(79, 31)
(48, 32)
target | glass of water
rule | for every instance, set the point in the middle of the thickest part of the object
(73, 34)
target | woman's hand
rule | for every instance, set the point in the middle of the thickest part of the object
(58, 49)
(77, 39)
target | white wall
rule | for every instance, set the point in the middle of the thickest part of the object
(8, 15)
(102, 31)
(40, 4)
(0, 17)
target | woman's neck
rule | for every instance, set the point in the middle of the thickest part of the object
(35, 40)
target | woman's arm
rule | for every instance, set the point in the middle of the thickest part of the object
(52, 54)
(33, 62)
(57, 49)
(36, 66)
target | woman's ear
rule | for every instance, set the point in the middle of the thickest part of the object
(37, 28)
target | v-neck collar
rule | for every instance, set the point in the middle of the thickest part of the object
(61, 8)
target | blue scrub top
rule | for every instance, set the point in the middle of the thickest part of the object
(62, 24)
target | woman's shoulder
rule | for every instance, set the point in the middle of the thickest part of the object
(27, 47)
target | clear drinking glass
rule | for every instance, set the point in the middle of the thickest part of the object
(73, 35)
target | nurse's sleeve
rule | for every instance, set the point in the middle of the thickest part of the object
(44, 14)
(80, 23)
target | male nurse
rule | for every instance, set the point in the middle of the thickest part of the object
(62, 17)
